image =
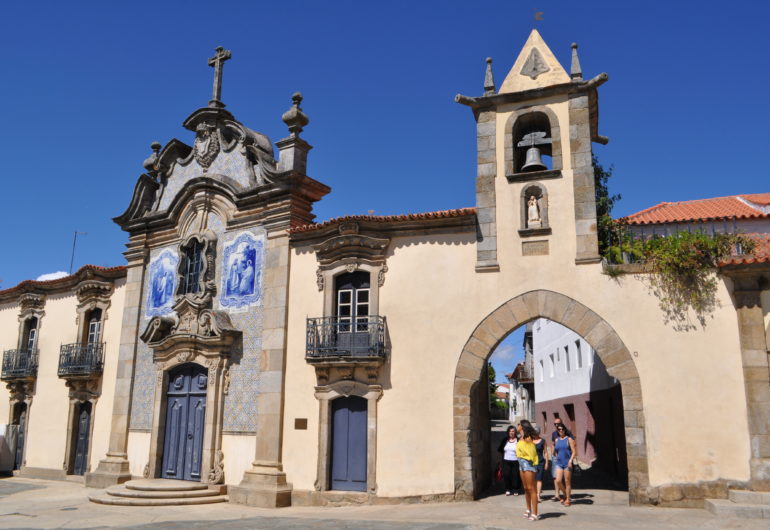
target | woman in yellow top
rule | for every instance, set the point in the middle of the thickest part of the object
(526, 452)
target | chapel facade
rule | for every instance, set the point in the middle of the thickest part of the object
(256, 351)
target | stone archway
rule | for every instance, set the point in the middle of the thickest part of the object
(580, 319)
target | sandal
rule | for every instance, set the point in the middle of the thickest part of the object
(534, 517)
(527, 514)
(567, 503)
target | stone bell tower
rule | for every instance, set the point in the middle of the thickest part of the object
(535, 185)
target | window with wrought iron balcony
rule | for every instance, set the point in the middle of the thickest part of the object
(86, 358)
(21, 363)
(352, 334)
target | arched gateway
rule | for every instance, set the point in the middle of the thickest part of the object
(469, 408)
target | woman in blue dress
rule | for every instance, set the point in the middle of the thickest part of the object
(564, 447)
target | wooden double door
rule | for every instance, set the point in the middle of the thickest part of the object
(349, 447)
(185, 420)
(81, 436)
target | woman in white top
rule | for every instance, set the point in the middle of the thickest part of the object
(510, 466)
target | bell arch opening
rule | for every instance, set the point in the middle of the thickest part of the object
(473, 450)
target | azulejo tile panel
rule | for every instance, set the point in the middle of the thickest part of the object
(240, 405)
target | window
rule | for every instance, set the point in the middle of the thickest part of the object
(542, 371)
(353, 301)
(94, 332)
(551, 364)
(579, 354)
(192, 267)
(566, 357)
(29, 338)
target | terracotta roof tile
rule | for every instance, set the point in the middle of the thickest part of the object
(443, 214)
(703, 210)
(760, 254)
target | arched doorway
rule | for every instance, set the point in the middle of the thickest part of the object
(471, 386)
(185, 420)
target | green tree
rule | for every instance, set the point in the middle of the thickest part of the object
(604, 204)
(492, 377)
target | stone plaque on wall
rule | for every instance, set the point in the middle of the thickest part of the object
(534, 248)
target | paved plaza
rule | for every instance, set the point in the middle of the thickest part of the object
(28, 503)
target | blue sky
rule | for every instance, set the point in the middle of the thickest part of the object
(88, 85)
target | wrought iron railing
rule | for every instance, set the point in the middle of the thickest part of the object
(81, 358)
(334, 337)
(19, 364)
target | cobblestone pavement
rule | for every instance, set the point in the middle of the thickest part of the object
(28, 503)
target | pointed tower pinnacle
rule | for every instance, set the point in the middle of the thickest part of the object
(535, 67)
(576, 73)
(489, 80)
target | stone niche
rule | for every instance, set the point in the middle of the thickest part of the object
(533, 205)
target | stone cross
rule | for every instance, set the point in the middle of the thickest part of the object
(218, 62)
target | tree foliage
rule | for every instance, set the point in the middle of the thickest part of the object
(604, 204)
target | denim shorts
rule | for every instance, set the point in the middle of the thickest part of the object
(540, 467)
(526, 465)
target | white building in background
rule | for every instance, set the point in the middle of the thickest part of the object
(522, 396)
(571, 383)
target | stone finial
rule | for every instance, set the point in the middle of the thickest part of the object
(576, 73)
(294, 118)
(489, 80)
(149, 163)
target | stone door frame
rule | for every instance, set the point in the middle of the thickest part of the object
(580, 319)
(81, 391)
(212, 471)
(325, 395)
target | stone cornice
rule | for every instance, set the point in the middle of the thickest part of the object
(588, 88)
(68, 283)
(299, 190)
(449, 221)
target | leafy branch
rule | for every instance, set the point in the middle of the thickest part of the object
(683, 269)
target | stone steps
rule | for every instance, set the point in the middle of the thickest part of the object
(160, 492)
(741, 504)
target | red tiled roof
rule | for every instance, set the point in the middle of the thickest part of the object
(760, 254)
(704, 210)
(443, 214)
(60, 281)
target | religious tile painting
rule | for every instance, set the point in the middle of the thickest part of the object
(162, 283)
(242, 262)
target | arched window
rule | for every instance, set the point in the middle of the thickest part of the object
(191, 268)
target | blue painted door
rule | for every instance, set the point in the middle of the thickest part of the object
(81, 439)
(185, 417)
(348, 456)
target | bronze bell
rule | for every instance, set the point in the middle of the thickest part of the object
(533, 161)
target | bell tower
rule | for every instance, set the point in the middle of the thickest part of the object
(535, 178)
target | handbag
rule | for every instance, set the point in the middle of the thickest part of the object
(499, 472)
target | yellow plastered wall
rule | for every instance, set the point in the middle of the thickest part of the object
(433, 300)
(46, 437)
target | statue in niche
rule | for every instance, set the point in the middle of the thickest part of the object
(533, 213)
